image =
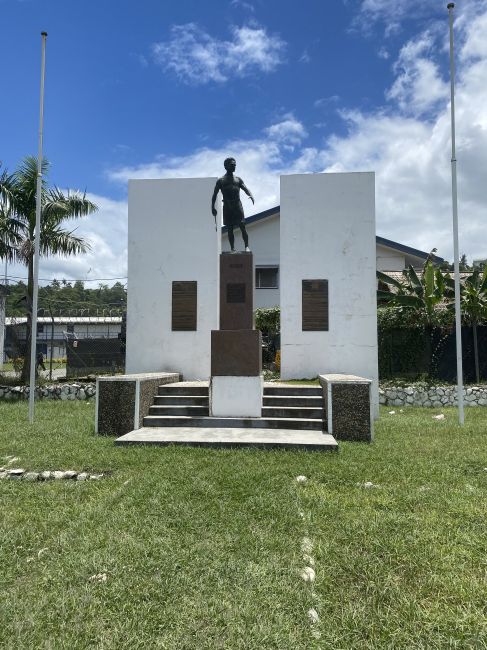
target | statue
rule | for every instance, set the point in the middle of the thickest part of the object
(233, 214)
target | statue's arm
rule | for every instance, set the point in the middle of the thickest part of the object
(213, 198)
(246, 190)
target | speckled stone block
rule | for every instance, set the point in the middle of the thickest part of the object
(122, 401)
(347, 406)
(351, 412)
(116, 401)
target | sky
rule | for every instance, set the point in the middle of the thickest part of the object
(160, 89)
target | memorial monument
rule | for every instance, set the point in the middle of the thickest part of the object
(236, 348)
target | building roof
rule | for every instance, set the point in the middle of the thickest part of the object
(62, 320)
(382, 241)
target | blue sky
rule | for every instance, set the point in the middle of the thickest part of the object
(159, 89)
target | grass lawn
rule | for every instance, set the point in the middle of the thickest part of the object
(202, 548)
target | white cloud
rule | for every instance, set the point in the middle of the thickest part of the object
(418, 86)
(288, 131)
(198, 58)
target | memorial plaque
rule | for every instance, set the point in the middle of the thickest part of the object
(184, 306)
(235, 292)
(315, 306)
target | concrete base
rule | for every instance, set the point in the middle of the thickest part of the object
(238, 397)
(260, 438)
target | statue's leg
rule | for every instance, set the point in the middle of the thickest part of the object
(245, 237)
(231, 237)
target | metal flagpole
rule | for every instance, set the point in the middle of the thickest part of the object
(33, 333)
(456, 253)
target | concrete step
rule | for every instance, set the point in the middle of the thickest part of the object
(174, 389)
(225, 437)
(303, 391)
(314, 401)
(239, 423)
(292, 412)
(173, 409)
(182, 400)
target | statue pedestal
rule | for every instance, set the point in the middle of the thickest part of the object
(236, 397)
(236, 348)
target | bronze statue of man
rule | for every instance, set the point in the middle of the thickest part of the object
(233, 214)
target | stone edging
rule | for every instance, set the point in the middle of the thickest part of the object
(18, 473)
(74, 391)
(436, 396)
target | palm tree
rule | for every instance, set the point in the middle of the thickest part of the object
(17, 225)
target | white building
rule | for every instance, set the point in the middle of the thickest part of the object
(53, 332)
(263, 230)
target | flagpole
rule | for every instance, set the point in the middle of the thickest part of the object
(33, 333)
(456, 252)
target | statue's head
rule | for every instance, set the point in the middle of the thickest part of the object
(230, 164)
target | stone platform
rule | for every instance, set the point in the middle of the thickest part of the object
(227, 437)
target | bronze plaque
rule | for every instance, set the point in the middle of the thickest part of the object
(184, 306)
(315, 305)
(235, 292)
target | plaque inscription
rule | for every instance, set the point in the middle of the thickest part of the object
(184, 306)
(315, 305)
(235, 292)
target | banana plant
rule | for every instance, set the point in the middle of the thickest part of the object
(474, 307)
(420, 293)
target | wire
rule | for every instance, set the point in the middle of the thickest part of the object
(18, 277)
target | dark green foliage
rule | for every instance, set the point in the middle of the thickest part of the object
(268, 321)
(65, 298)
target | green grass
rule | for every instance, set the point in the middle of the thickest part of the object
(201, 548)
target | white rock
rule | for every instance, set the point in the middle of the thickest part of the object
(392, 412)
(313, 615)
(58, 475)
(82, 476)
(441, 416)
(301, 479)
(46, 475)
(308, 574)
(3, 474)
(81, 394)
(15, 473)
(31, 476)
(70, 474)
(96, 477)
(306, 545)
(98, 577)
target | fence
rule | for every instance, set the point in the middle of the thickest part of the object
(94, 356)
(413, 353)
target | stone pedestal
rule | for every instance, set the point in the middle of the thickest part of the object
(236, 348)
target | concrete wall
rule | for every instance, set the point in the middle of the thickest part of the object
(327, 231)
(2, 328)
(171, 237)
(264, 244)
(389, 260)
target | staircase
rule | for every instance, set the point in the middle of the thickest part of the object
(284, 407)
(292, 417)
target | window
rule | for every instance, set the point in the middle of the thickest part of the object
(70, 329)
(266, 277)
(40, 328)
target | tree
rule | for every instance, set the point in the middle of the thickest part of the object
(17, 225)
(474, 306)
